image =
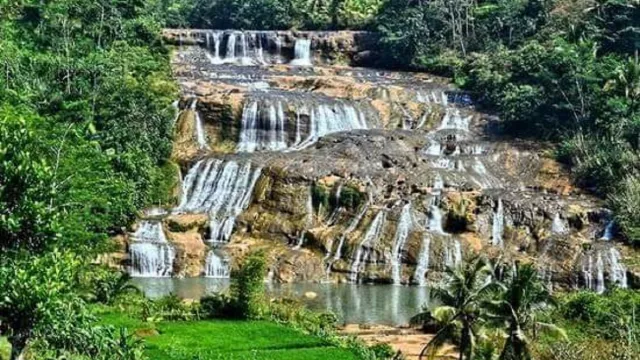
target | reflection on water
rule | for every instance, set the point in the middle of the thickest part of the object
(362, 304)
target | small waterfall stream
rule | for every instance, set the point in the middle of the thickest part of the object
(423, 261)
(402, 233)
(558, 226)
(309, 222)
(302, 53)
(435, 220)
(368, 243)
(607, 262)
(199, 127)
(453, 253)
(498, 225)
(618, 272)
(216, 266)
(608, 233)
(150, 252)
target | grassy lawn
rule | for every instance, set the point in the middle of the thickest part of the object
(221, 339)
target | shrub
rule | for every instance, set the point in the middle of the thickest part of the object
(218, 306)
(248, 289)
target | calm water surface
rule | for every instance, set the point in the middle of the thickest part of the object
(361, 304)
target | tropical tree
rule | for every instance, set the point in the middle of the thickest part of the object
(461, 315)
(517, 304)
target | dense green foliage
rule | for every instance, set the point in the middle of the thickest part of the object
(557, 70)
(274, 14)
(43, 307)
(604, 326)
(85, 126)
(86, 120)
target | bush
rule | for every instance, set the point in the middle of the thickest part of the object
(106, 285)
(625, 203)
(248, 289)
(610, 316)
(218, 306)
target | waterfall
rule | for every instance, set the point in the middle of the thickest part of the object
(435, 220)
(221, 189)
(352, 226)
(302, 53)
(617, 272)
(438, 185)
(587, 272)
(200, 135)
(434, 149)
(486, 181)
(214, 36)
(498, 225)
(453, 255)
(402, 233)
(608, 231)
(245, 59)
(454, 121)
(309, 221)
(326, 119)
(423, 261)
(433, 97)
(262, 127)
(263, 124)
(216, 45)
(215, 266)
(558, 227)
(600, 286)
(230, 56)
(150, 252)
(368, 241)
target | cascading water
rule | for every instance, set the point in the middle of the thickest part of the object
(454, 121)
(263, 124)
(302, 53)
(262, 127)
(199, 127)
(587, 272)
(309, 223)
(150, 252)
(230, 56)
(498, 225)
(608, 231)
(435, 220)
(453, 253)
(352, 226)
(216, 266)
(402, 233)
(221, 189)
(434, 149)
(600, 286)
(423, 261)
(617, 272)
(368, 242)
(558, 226)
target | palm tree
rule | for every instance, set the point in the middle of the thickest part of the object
(522, 297)
(460, 316)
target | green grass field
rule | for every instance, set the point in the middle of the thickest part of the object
(226, 340)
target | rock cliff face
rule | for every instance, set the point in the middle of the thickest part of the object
(352, 174)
